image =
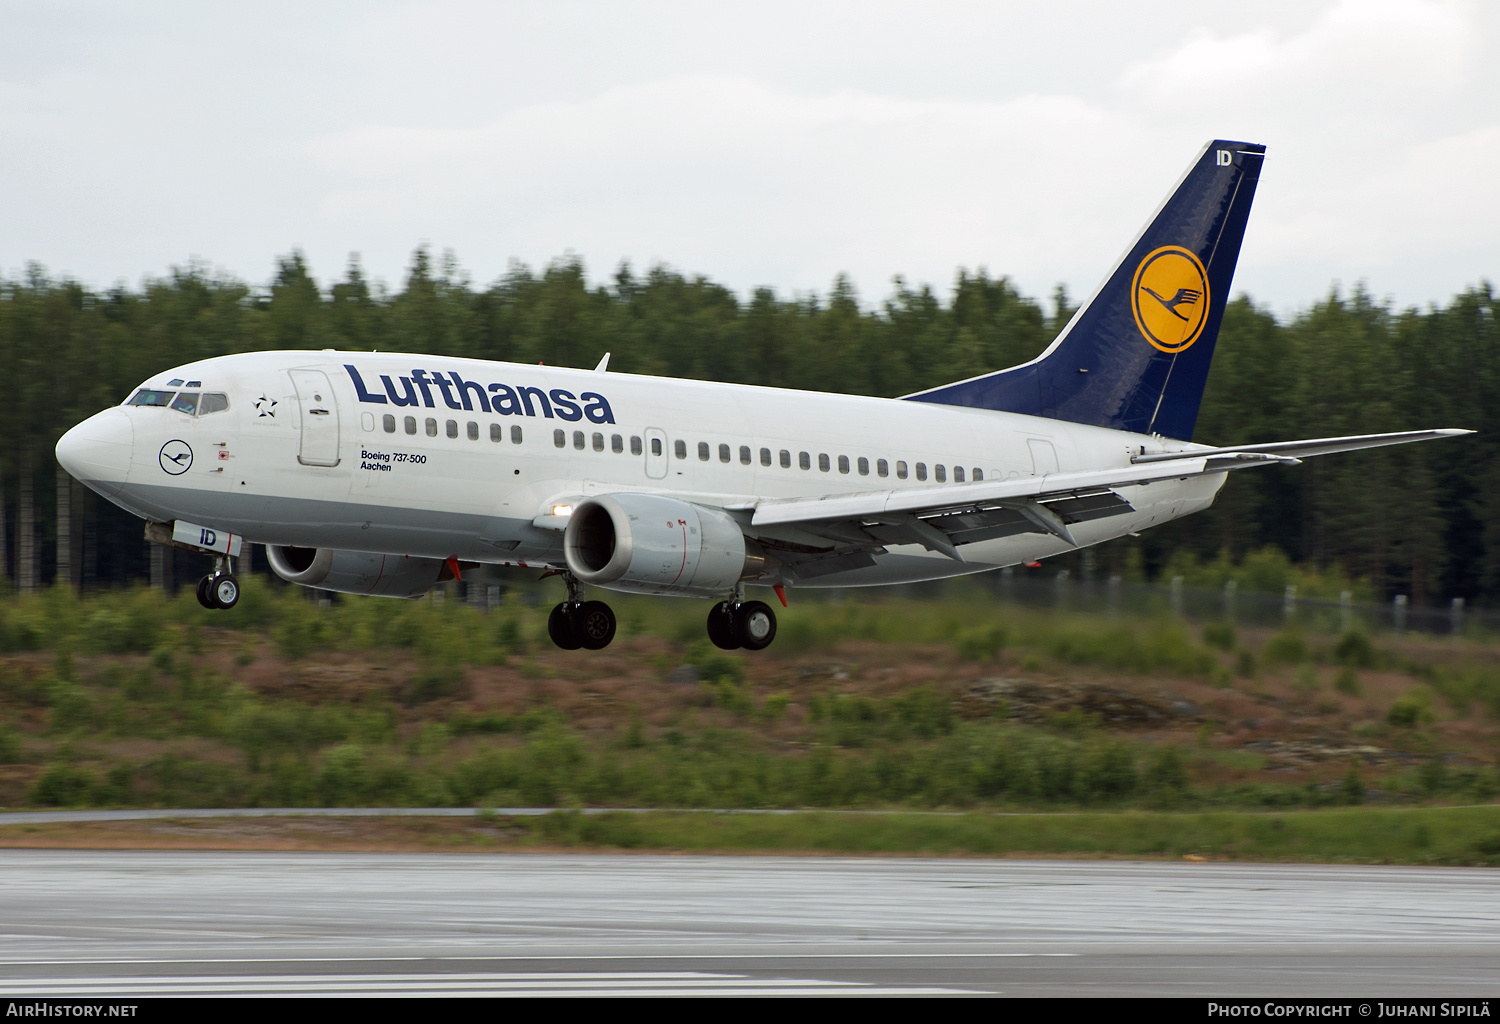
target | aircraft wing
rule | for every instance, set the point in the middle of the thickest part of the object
(838, 532)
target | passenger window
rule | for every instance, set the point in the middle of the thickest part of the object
(765, 456)
(411, 424)
(186, 402)
(921, 471)
(515, 435)
(635, 445)
(804, 460)
(367, 421)
(656, 446)
(702, 451)
(823, 464)
(978, 474)
(154, 398)
(900, 470)
(431, 427)
(843, 463)
(497, 433)
(453, 428)
(560, 438)
(786, 459)
(958, 474)
(864, 466)
(213, 402)
(723, 453)
(473, 431)
(940, 473)
(598, 441)
(882, 468)
(680, 449)
(578, 441)
(617, 444)
(744, 455)
(389, 423)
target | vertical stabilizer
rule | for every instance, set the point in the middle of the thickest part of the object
(1136, 355)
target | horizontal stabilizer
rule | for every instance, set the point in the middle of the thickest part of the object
(1292, 450)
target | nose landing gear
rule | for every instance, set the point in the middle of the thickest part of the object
(742, 624)
(219, 589)
(577, 623)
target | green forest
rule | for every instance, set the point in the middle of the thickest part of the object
(1418, 520)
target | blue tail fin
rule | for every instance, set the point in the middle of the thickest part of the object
(1136, 355)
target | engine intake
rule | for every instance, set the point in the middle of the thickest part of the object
(649, 544)
(358, 572)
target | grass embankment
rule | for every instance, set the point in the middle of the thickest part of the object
(132, 699)
(1451, 836)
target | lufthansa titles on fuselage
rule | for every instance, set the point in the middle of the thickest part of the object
(469, 396)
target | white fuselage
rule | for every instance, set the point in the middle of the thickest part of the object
(305, 456)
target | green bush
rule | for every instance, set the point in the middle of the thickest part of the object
(981, 643)
(1287, 647)
(1220, 635)
(1347, 681)
(63, 785)
(1410, 710)
(1355, 650)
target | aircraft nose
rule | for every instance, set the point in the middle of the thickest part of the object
(97, 451)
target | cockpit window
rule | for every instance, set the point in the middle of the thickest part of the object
(175, 382)
(186, 402)
(145, 396)
(215, 401)
(193, 384)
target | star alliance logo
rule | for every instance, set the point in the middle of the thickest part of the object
(266, 406)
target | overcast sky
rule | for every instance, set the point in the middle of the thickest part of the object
(761, 143)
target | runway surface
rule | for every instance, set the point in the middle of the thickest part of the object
(122, 924)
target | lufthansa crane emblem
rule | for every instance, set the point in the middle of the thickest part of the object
(1169, 298)
(176, 456)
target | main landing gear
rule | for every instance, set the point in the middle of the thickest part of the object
(747, 624)
(220, 588)
(577, 623)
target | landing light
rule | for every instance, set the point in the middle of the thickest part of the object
(562, 510)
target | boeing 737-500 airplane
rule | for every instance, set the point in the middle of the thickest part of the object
(384, 474)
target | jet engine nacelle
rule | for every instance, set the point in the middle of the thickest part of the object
(358, 572)
(654, 545)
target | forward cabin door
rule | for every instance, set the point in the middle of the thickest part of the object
(320, 418)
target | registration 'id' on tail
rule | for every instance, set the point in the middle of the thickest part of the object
(1136, 355)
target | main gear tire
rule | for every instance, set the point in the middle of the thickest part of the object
(594, 625)
(721, 627)
(560, 628)
(754, 625)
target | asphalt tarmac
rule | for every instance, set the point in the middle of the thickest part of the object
(126, 924)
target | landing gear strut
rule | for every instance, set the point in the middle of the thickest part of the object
(747, 624)
(577, 623)
(220, 588)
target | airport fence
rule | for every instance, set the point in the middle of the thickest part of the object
(1112, 596)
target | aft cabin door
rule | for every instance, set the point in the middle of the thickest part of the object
(320, 418)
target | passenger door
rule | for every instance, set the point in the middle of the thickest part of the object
(320, 418)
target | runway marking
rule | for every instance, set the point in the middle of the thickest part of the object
(525, 956)
(644, 983)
